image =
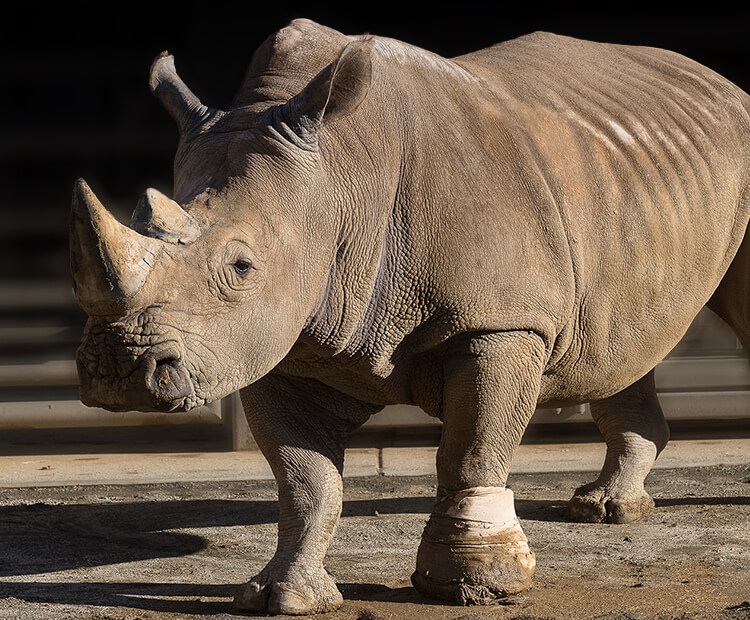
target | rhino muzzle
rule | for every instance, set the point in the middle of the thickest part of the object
(156, 380)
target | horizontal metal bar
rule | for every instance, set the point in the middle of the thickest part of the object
(702, 373)
(39, 296)
(705, 405)
(74, 414)
(46, 334)
(714, 405)
(49, 373)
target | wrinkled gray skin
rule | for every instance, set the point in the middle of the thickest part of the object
(536, 223)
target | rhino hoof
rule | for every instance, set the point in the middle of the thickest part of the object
(464, 567)
(283, 597)
(596, 506)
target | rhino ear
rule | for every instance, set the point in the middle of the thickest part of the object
(335, 92)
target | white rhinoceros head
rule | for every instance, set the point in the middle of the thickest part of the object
(206, 293)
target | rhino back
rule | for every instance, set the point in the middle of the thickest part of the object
(647, 156)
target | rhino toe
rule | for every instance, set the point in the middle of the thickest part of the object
(251, 596)
(293, 600)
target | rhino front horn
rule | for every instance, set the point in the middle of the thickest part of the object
(109, 261)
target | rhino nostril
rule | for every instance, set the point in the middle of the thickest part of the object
(167, 361)
(167, 380)
(164, 371)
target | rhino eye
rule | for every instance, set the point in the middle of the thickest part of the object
(242, 266)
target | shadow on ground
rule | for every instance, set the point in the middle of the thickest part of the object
(180, 598)
(145, 596)
(42, 538)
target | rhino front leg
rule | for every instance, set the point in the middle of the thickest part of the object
(635, 431)
(303, 442)
(473, 550)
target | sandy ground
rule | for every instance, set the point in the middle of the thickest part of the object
(165, 551)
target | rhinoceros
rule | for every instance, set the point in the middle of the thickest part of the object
(369, 223)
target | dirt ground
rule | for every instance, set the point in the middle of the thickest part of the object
(171, 551)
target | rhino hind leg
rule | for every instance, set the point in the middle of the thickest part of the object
(633, 424)
(473, 550)
(635, 432)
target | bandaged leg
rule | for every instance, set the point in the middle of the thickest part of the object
(473, 549)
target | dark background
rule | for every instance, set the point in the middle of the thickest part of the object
(74, 84)
(75, 100)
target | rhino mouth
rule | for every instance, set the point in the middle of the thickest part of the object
(118, 379)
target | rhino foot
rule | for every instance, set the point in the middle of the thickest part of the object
(284, 592)
(467, 563)
(592, 504)
(460, 593)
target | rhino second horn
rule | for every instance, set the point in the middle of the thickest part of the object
(161, 217)
(181, 103)
(109, 261)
